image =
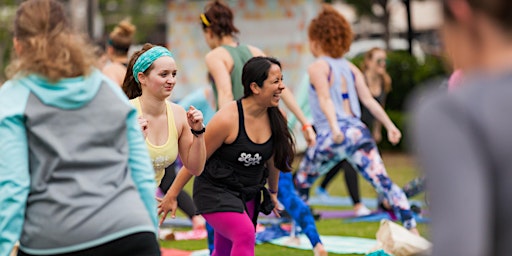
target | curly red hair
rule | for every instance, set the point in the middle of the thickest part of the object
(332, 31)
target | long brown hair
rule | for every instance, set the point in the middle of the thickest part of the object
(386, 78)
(48, 45)
(256, 71)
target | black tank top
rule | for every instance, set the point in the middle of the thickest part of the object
(242, 160)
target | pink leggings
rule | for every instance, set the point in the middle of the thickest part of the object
(234, 232)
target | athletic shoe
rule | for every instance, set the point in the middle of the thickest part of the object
(321, 192)
(363, 211)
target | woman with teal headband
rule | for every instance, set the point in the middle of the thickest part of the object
(167, 127)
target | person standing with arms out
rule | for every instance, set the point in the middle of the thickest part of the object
(72, 151)
(335, 91)
(379, 84)
(462, 138)
(168, 128)
(118, 45)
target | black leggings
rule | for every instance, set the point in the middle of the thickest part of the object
(185, 202)
(138, 244)
(351, 179)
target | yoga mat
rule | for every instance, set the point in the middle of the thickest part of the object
(346, 201)
(170, 234)
(177, 222)
(378, 216)
(333, 244)
(177, 252)
(342, 214)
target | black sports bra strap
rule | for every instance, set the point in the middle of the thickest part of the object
(241, 125)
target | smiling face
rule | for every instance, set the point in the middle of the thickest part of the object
(273, 86)
(161, 78)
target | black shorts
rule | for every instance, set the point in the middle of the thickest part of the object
(138, 244)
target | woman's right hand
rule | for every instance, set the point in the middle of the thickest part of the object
(337, 136)
(165, 205)
(143, 125)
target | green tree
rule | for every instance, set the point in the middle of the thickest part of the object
(366, 8)
(148, 16)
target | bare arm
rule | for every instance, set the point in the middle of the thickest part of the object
(191, 147)
(272, 183)
(318, 74)
(217, 131)
(219, 71)
(307, 129)
(373, 106)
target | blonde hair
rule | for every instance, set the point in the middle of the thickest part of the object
(386, 78)
(48, 46)
(122, 37)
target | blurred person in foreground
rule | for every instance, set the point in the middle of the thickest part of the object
(75, 175)
(463, 139)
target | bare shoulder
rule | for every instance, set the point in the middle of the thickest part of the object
(218, 52)
(318, 66)
(226, 114)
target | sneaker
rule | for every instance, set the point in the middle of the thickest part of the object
(321, 192)
(363, 211)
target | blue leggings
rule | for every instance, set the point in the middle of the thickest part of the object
(360, 149)
(297, 208)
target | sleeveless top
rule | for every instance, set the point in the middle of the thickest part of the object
(232, 168)
(162, 155)
(240, 55)
(339, 69)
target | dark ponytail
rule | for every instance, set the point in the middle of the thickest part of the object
(256, 71)
(219, 19)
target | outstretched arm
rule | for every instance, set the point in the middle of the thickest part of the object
(307, 128)
(373, 106)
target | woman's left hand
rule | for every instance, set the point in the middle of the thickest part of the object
(276, 203)
(195, 118)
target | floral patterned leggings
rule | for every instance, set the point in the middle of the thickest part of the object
(360, 150)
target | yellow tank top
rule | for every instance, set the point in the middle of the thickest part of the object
(162, 155)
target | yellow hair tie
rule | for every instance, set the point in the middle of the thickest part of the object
(204, 20)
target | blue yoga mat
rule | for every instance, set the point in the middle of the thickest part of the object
(378, 216)
(346, 201)
(177, 222)
(333, 244)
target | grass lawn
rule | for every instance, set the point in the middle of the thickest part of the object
(401, 169)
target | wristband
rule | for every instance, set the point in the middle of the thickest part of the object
(197, 133)
(272, 191)
(306, 126)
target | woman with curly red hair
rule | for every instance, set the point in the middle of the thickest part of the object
(336, 88)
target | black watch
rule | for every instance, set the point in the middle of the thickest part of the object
(197, 133)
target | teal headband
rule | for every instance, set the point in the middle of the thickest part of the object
(146, 59)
